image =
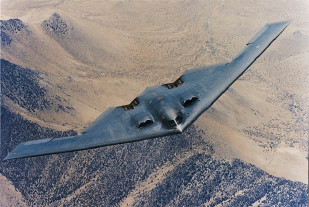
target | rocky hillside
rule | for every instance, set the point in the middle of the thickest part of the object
(171, 171)
(20, 85)
(23, 92)
(9, 195)
(11, 29)
(65, 62)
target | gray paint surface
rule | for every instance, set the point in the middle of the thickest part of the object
(160, 105)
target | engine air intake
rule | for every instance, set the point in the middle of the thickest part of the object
(132, 105)
(190, 101)
(176, 84)
(145, 123)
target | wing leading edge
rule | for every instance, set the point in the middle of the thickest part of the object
(115, 126)
(213, 81)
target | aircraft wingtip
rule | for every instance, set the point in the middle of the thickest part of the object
(7, 157)
(12, 156)
(283, 23)
(289, 21)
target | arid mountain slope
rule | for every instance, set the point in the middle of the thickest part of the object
(177, 170)
(105, 56)
(89, 56)
(8, 194)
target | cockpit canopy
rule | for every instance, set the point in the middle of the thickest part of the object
(173, 122)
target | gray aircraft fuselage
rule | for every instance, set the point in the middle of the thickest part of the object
(160, 110)
(161, 106)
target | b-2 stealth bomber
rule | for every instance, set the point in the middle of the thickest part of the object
(160, 110)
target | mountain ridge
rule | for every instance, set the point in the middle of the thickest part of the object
(259, 126)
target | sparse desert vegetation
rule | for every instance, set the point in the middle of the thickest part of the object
(63, 63)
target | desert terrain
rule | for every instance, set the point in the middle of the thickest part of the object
(64, 63)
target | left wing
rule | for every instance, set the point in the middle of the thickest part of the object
(114, 126)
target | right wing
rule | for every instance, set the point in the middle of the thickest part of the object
(209, 83)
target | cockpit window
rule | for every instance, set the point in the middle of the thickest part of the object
(190, 102)
(132, 105)
(172, 123)
(176, 84)
(179, 119)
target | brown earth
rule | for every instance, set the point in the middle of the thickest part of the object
(9, 195)
(101, 54)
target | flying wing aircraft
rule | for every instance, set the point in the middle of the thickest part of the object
(160, 110)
